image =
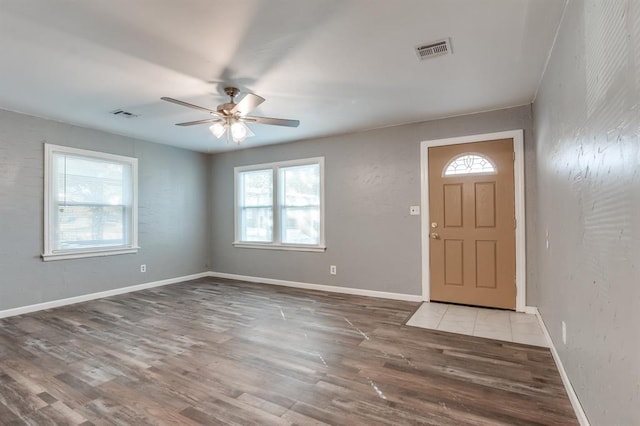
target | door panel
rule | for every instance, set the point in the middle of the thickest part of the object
(472, 248)
(452, 205)
(485, 204)
(453, 262)
(486, 264)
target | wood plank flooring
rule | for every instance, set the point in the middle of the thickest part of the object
(214, 351)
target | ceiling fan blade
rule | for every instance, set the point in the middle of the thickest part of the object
(206, 120)
(188, 105)
(247, 104)
(272, 121)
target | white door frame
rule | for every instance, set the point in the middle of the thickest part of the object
(518, 146)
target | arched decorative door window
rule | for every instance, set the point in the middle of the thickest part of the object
(469, 163)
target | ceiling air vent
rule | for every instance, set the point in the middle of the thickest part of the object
(433, 49)
(123, 113)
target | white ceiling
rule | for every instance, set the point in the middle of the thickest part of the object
(338, 66)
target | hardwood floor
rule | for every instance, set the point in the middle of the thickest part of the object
(214, 351)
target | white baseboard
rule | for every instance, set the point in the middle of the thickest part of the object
(92, 296)
(77, 299)
(575, 402)
(531, 310)
(321, 287)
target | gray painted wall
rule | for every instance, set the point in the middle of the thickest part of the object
(173, 219)
(587, 126)
(371, 180)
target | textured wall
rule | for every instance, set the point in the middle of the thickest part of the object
(371, 180)
(587, 122)
(172, 214)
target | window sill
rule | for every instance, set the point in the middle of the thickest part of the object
(92, 253)
(285, 247)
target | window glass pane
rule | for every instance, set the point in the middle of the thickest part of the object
(83, 226)
(257, 188)
(85, 180)
(92, 202)
(300, 212)
(301, 225)
(257, 224)
(301, 185)
(256, 205)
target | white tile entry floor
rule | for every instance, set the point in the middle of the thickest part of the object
(481, 322)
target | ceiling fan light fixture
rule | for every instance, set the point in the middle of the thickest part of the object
(218, 129)
(238, 131)
(229, 119)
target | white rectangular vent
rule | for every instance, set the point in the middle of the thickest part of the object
(123, 113)
(436, 48)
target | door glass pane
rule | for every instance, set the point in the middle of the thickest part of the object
(469, 164)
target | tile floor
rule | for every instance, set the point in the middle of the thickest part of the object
(481, 322)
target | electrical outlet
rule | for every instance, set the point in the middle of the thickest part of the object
(564, 333)
(143, 268)
(332, 269)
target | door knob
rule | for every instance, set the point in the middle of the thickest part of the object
(435, 236)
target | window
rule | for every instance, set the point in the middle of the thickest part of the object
(469, 164)
(280, 205)
(90, 203)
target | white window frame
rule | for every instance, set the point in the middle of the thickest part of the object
(49, 197)
(277, 244)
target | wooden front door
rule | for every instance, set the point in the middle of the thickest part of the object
(472, 229)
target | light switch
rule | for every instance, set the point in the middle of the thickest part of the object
(414, 210)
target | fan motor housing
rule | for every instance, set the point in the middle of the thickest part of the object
(226, 108)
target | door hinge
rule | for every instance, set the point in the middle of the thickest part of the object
(515, 223)
(514, 156)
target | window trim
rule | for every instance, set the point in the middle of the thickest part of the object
(277, 244)
(49, 254)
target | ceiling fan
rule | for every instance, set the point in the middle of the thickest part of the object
(230, 117)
